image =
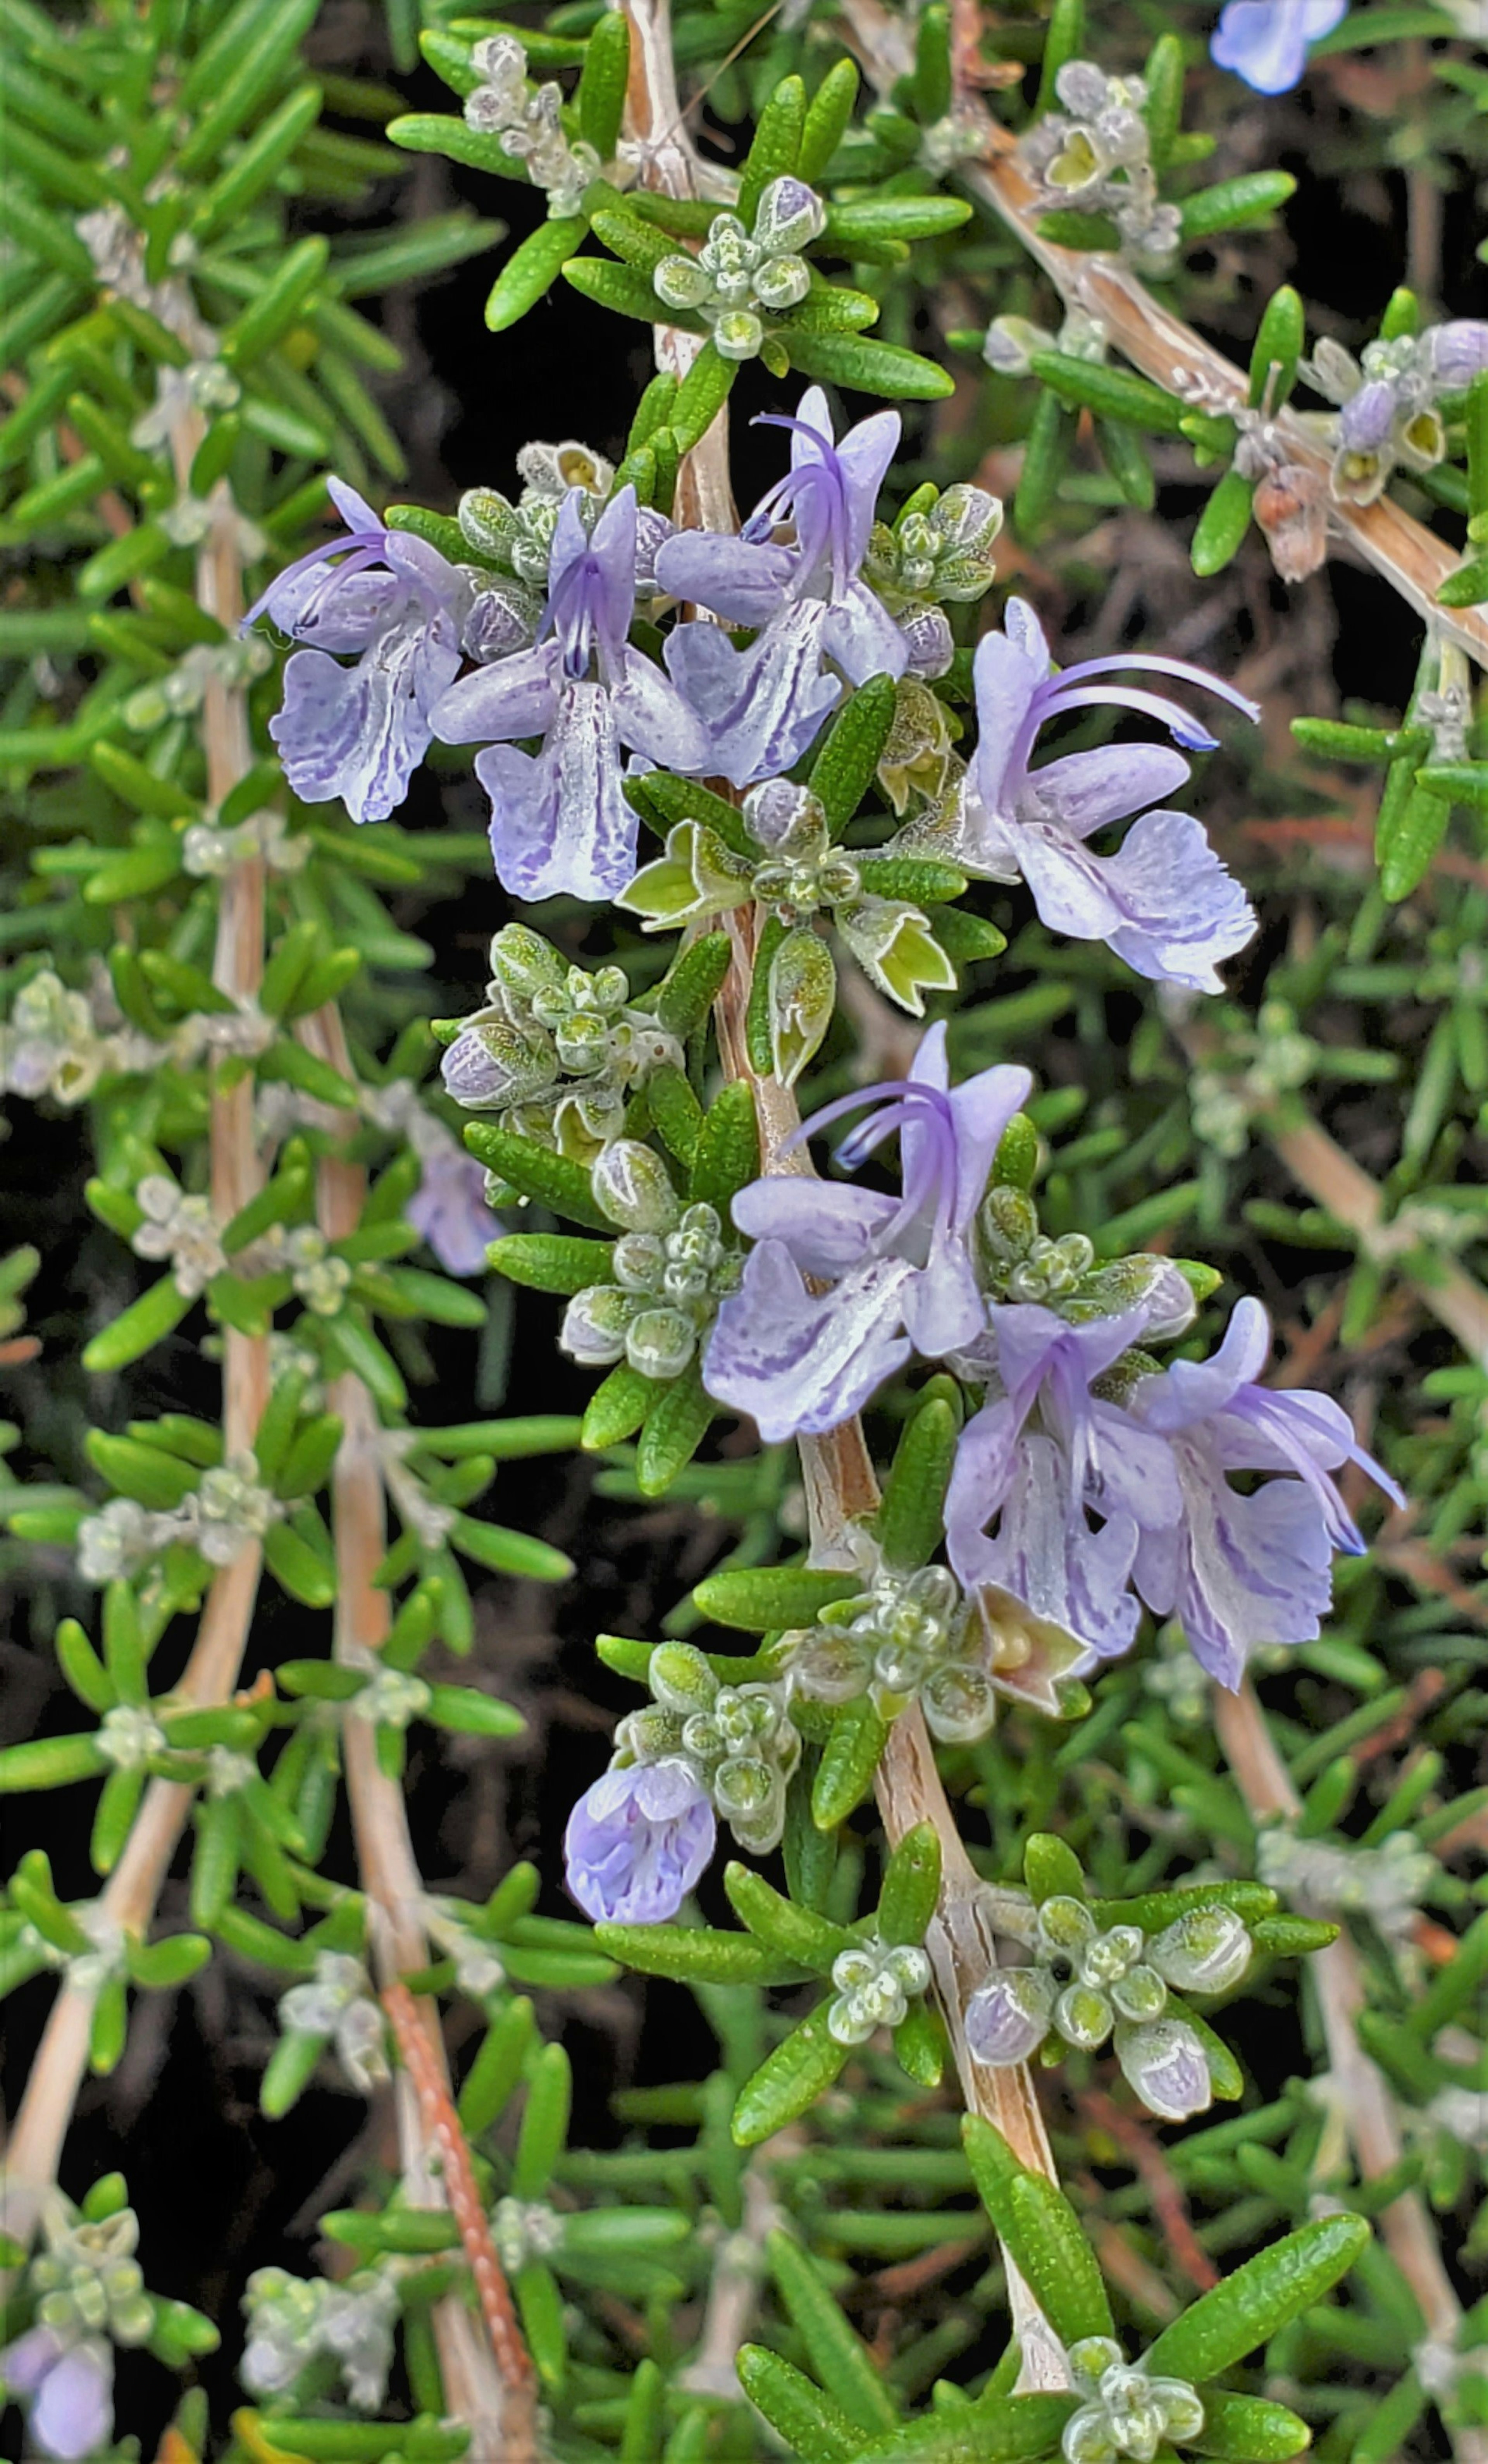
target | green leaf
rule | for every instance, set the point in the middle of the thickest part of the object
(601, 98)
(138, 1328)
(1232, 204)
(298, 1569)
(113, 1819)
(618, 1407)
(1041, 2235)
(1045, 455)
(510, 1552)
(849, 1759)
(911, 1886)
(1065, 41)
(542, 2306)
(623, 289)
(1052, 1871)
(537, 1171)
(997, 2429)
(493, 2077)
(840, 2359)
(776, 149)
(1411, 826)
(827, 117)
(759, 1041)
(695, 978)
(867, 367)
(694, 1956)
(551, 1262)
(1223, 524)
(280, 303)
(544, 2123)
(920, 2047)
(792, 1933)
(902, 218)
(910, 1517)
(1249, 2429)
(1279, 341)
(467, 1713)
(701, 396)
(673, 1429)
(1245, 2310)
(845, 769)
(416, 2230)
(915, 878)
(1112, 393)
(159, 1966)
(82, 1668)
(153, 1478)
(811, 2426)
(726, 1154)
(675, 1109)
(761, 1599)
(800, 998)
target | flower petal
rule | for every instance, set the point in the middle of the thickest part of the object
(1084, 790)
(743, 583)
(512, 697)
(801, 1364)
(827, 1225)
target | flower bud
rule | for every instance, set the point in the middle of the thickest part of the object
(1141, 1993)
(788, 216)
(631, 1186)
(680, 1678)
(781, 282)
(1204, 1953)
(1083, 2018)
(1009, 2017)
(660, 1342)
(490, 1063)
(679, 282)
(595, 1325)
(739, 335)
(1164, 2064)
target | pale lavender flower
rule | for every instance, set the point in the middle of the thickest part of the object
(1265, 41)
(1456, 352)
(68, 2391)
(1240, 1571)
(637, 1842)
(1040, 1485)
(900, 1271)
(764, 705)
(1162, 2061)
(393, 603)
(1008, 2018)
(449, 1208)
(1164, 902)
(558, 820)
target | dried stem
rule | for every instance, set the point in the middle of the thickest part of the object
(494, 2402)
(836, 1469)
(129, 1898)
(1411, 558)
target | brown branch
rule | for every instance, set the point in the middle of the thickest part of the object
(1168, 2206)
(497, 2408)
(839, 1478)
(442, 2129)
(133, 1888)
(1410, 557)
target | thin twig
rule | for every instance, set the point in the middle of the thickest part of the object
(133, 1888)
(1412, 560)
(499, 2409)
(442, 2128)
(839, 1485)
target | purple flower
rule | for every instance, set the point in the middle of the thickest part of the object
(68, 2389)
(1041, 1483)
(558, 820)
(1008, 2018)
(1162, 2061)
(637, 1842)
(1456, 352)
(1164, 903)
(449, 1208)
(764, 705)
(1240, 1571)
(900, 1271)
(360, 731)
(1265, 41)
